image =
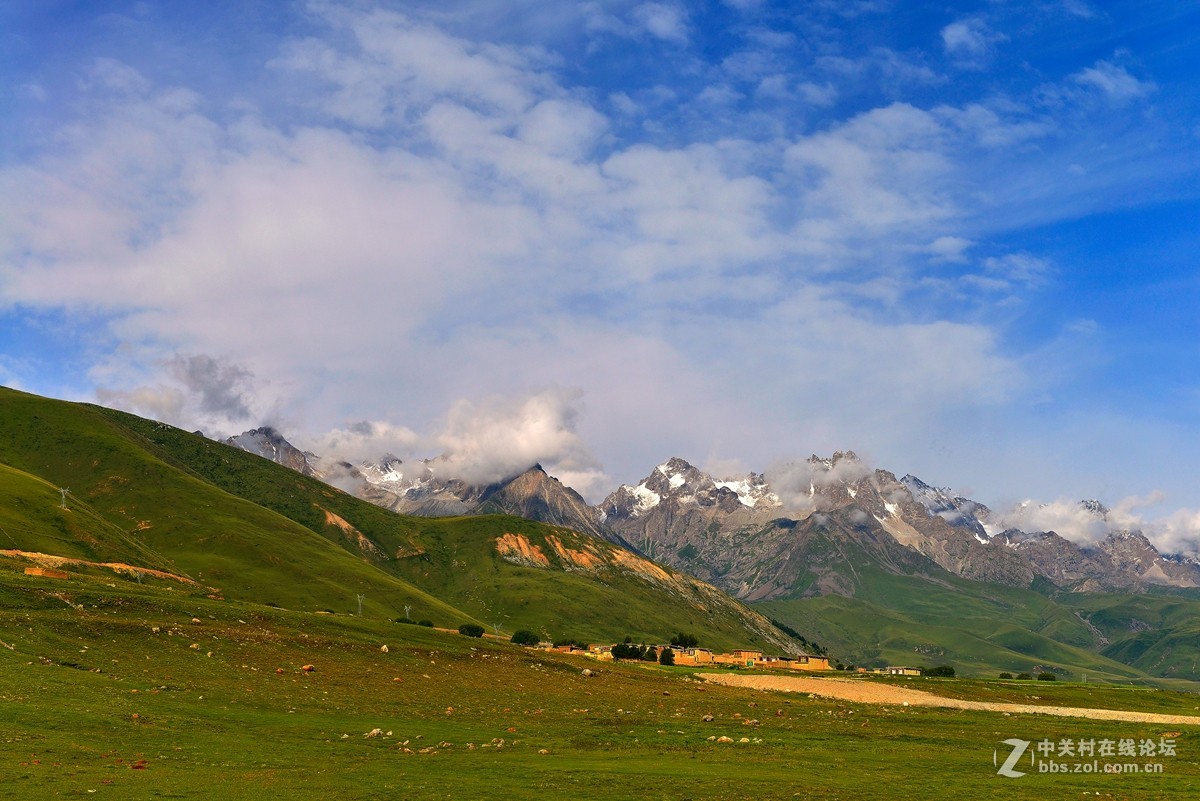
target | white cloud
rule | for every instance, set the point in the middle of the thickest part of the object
(1177, 532)
(1114, 81)
(193, 390)
(488, 441)
(665, 21)
(800, 484)
(363, 441)
(950, 248)
(970, 41)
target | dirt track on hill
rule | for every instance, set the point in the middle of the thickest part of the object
(870, 692)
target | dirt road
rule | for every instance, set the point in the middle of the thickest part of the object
(870, 692)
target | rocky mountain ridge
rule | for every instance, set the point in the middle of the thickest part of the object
(758, 537)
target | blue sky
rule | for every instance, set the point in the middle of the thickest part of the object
(959, 238)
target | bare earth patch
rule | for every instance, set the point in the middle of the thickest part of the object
(869, 692)
(49, 560)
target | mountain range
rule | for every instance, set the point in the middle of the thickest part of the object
(739, 533)
(123, 496)
(878, 568)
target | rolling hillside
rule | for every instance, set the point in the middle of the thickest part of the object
(258, 531)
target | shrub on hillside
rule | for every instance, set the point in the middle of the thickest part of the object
(1006, 675)
(524, 637)
(1047, 677)
(471, 630)
(1024, 676)
(426, 623)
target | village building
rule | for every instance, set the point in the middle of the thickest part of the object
(693, 656)
(805, 662)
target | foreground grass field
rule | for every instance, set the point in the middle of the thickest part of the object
(95, 702)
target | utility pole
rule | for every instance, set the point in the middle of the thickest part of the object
(360, 600)
(64, 492)
(408, 611)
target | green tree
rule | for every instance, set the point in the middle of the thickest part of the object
(1024, 676)
(1006, 675)
(471, 630)
(681, 640)
(666, 657)
(524, 637)
(1047, 677)
(650, 655)
(940, 670)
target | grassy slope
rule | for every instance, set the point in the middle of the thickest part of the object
(240, 522)
(189, 526)
(158, 718)
(1158, 632)
(981, 629)
(33, 518)
(930, 616)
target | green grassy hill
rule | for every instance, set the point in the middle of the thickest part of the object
(983, 629)
(261, 532)
(127, 504)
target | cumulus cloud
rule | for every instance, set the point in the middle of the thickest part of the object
(970, 41)
(191, 390)
(490, 440)
(950, 248)
(799, 484)
(1114, 81)
(1178, 532)
(220, 388)
(663, 20)
(363, 441)
(1067, 518)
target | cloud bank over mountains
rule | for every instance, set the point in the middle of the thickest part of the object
(744, 232)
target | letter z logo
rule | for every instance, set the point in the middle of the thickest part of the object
(1018, 751)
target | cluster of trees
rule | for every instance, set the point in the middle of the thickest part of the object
(940, 670)
(628, 650)
(1028, 676)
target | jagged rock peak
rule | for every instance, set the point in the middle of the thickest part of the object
(268, 443)
(954, 509)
